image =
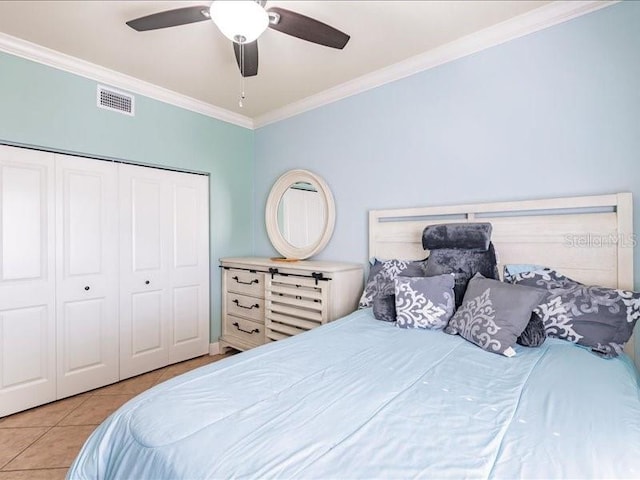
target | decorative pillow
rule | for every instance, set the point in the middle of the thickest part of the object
(424, 302)
(384, 307)
(465, 236)
(597, 317)
(494, 314)
(382, 274)
(534, 334)
(464, 264)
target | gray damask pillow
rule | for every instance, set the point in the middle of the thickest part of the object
(383, 273)
(424, 302)
(493, 314)
(597, 317)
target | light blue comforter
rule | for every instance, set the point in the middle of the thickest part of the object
(360, 398)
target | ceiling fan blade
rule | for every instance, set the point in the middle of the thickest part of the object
(248, 68)
(300, 26)
(170, 18)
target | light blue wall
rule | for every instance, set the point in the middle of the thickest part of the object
(45, 107)
(555, 113)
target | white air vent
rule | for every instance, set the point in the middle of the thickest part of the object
(112, 99)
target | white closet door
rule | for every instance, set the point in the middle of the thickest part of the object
(189, 266)
(87, 274)
(27, 279)
(145, 243)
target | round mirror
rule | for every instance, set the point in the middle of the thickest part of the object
(300, 214)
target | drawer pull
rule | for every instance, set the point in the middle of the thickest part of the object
(255, 280)
(250, 307)
(255, 330)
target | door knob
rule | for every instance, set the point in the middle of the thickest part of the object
(147, 282)
(87, 288)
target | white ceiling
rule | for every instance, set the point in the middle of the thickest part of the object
(196, 60)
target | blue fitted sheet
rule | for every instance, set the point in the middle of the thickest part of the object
(359, 398)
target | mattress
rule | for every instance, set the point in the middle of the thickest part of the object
(360, 398)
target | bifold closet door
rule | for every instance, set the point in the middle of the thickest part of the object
(27, 279)
(164, 265)
(87, 274)
(189, 266)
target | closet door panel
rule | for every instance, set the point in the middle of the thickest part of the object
(25, 346)
(22, 206)
(189, 274)
(87, 280)
(146, 222)
(83, 328)
(146, 323)
(27, 279)
(186, 317)
(145, 245)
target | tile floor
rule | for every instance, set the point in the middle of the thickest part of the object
(42, 442)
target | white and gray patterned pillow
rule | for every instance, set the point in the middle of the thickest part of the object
(383, 273)
(424, 302)
(493, 314)
(597, 317)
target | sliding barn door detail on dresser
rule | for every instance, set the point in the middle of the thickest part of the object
(164, 264)
(87, 274)
(27, 279)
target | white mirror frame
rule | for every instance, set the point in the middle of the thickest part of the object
(283, 247)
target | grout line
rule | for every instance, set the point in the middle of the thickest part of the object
(73, 409)
(48, 429)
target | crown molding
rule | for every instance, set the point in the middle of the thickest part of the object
(530, 22)
(52, 58)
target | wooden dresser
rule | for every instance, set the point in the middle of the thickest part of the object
(266, 300)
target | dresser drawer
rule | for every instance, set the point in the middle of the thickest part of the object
(245, 282)
(245, 306)
(246, 330)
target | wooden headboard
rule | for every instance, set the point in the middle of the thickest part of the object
(589, 238)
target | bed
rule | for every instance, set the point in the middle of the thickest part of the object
(360, 398)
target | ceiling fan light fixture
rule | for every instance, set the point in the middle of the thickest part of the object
(241, 21)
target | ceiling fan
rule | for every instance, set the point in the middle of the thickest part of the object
(243, 21)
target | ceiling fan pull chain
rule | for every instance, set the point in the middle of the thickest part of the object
(242, 96)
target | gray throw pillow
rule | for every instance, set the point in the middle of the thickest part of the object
(597, 317)
(493, 314)
(424, 302)
(463, 236)
(464, 264)
(383, 273)
(384, 307)
(534, 333)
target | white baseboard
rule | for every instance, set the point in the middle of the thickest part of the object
(214, 348)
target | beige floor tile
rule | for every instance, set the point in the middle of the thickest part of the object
(95, 410)
(48, 474)
(44, 416)
(186, 366)
(15, 440)
(55, 449)
(131, 386)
